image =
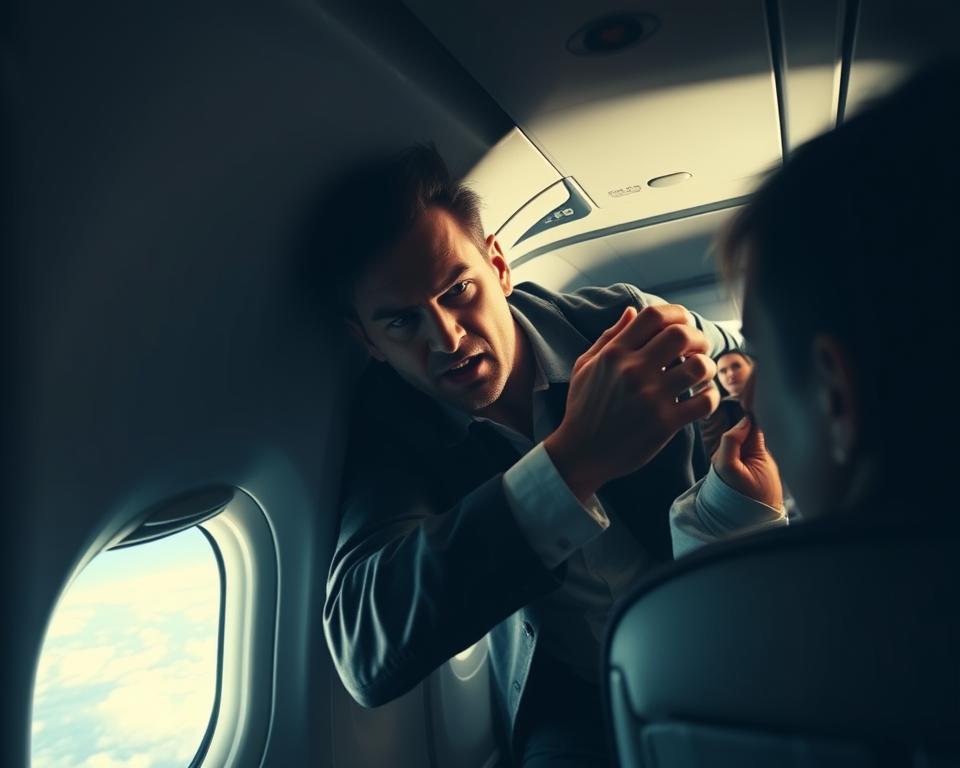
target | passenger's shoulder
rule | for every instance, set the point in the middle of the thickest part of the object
(592, 309)
(593, 297)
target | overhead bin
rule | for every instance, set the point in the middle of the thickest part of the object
(615, 120)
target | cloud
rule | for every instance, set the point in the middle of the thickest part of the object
(146, 698)
(152, 596)
(127, 674)
(69, 621)
(104, 760)
(201, 649)
(81, 667)
(152, 705)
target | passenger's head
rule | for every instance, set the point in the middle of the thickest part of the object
(418, 282)
(733, 369)
(848, 257)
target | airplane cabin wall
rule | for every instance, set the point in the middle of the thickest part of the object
(168, 158)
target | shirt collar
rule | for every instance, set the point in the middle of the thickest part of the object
(553, 356)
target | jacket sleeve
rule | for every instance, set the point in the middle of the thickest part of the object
(409, 587)
(594, 309)
(721, 339)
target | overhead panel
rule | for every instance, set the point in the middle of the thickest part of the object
(516, 230)
(614, 121)
(573, 207)
(509, 176)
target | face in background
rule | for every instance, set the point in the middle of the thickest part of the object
(733, 370)
(434, 308)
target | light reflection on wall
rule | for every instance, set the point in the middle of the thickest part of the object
(468, 662)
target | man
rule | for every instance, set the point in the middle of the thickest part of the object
(836, 278)
(733, 370)
(514, 454)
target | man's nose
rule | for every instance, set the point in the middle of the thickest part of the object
(444, 332)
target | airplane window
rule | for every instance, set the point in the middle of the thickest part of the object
(128, 675)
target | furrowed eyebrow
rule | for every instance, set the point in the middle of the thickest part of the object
(453, 278)
(386, 313)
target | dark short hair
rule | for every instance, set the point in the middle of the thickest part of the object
(370, 208)
(856, 237)
(738, 352)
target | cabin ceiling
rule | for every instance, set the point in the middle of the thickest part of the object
(675, 102)
(697, 96)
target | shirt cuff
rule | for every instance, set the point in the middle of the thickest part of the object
(553, 519)
(724, 510)
(711, 510)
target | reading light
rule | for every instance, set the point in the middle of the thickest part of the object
(612, 34)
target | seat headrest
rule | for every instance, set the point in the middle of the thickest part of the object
(807, 630)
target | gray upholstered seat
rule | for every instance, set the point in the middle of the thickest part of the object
(812, 646)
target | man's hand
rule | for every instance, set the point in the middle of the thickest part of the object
(623, 406)
(743, 463)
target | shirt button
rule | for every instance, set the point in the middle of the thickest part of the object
(563, 543)
(516, 685)
(528, 629)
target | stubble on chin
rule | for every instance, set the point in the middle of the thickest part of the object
(474, 402)
(479, 403)
(471, 402)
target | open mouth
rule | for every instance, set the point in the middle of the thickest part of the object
(464, 369)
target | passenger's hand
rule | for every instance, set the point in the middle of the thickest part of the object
(744, 463)
(623, 407)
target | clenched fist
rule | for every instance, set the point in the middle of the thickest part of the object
(626, 396)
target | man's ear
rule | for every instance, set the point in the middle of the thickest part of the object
(835, 382)
(499, 262)
(358, 334)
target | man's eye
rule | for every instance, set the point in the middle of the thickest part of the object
(400, 321)
(459, 289)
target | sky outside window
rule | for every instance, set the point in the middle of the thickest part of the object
(127, 675)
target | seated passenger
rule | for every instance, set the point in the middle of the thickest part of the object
(733, 370)
(849, 256)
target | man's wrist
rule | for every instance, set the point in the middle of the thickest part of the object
(575, 472)
(769, 498)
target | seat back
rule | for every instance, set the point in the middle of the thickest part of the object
(811, 646)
